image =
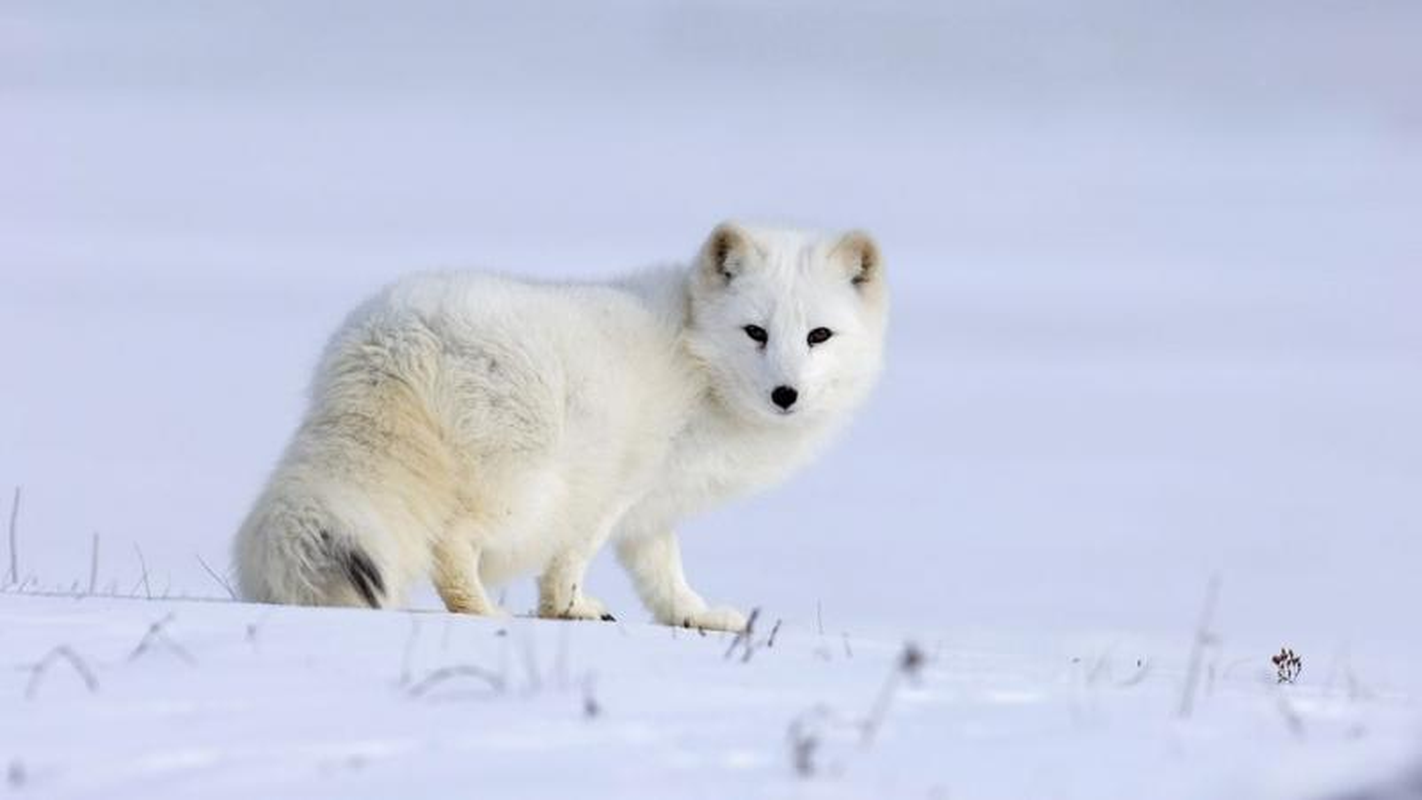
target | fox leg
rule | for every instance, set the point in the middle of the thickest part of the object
(560, 590)
(560, 587)
(654, 563)
(456, 577)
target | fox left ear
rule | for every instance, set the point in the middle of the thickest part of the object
(860, 255)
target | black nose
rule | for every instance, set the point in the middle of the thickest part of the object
(784, 396)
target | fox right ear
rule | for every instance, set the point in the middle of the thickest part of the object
(724, 255)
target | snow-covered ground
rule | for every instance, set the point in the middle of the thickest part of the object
(1157, 274)
(228, 700)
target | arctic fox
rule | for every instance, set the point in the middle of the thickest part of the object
(471, 428)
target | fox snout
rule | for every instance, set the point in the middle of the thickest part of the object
(784, 397)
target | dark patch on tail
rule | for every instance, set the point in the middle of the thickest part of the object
(363, 574)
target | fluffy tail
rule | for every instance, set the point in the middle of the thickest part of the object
(295, 549)
(364, 576)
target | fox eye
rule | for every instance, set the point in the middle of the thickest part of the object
(756, 333)
(819, 336)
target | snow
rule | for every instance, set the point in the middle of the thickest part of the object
(233, 699)
(1156, 279)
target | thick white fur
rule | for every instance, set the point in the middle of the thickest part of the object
(471, 428)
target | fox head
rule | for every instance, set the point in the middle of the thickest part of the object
(788, 325)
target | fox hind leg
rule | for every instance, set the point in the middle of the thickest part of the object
(456, 577)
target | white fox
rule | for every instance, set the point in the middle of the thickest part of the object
(471, 428)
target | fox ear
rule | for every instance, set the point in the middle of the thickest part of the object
(860, 255)
(725, 253)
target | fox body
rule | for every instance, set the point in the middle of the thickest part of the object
(472, 428)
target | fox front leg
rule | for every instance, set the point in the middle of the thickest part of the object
(654, 563)
(560, 591)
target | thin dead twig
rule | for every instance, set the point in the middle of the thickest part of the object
(94, 565)
(591, 707)
(527, 649)
(143, 565)
(157, 634)
(560, 658)
(1203, 638)
(221, 581)
(409, 654)
(745, 637)
(15, 538)
(908, 665)
(775, 629)
(807, 735)
(442, 675)
(65, 654)
(804, 741)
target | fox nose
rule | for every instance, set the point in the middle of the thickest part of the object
(784, 396)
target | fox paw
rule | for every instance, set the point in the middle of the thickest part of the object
(462, 603)
(492, 611)
(582, 607)
(722, 618)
